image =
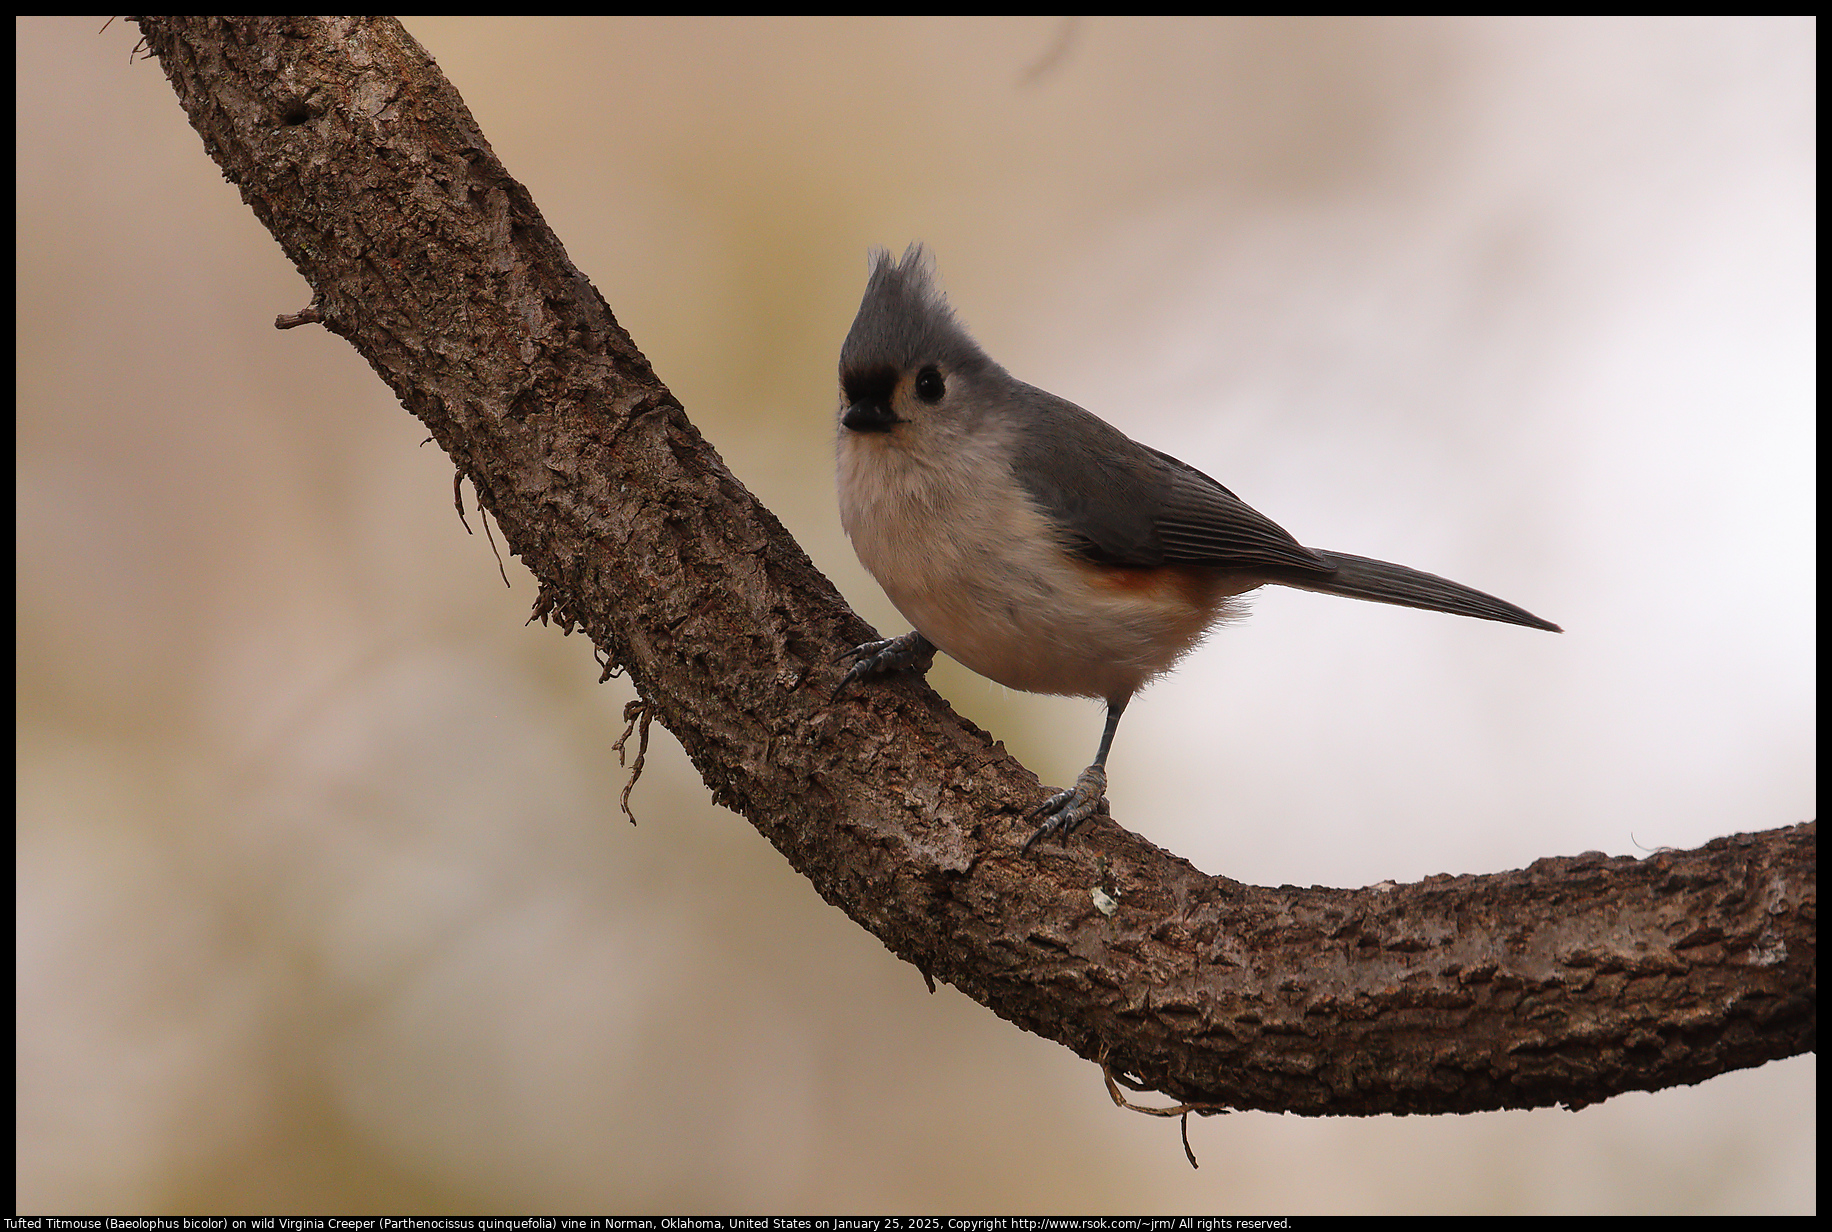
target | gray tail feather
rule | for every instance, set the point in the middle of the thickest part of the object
(1357, 577)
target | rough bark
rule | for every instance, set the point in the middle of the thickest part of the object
(1562, 983)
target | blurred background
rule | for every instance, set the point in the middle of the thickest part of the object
(324, 904)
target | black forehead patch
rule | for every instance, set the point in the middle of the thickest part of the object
(874, 383)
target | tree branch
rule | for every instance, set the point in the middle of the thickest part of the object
(1565, 982)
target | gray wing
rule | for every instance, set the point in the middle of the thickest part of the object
(1122, 503)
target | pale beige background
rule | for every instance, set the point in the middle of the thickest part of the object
(323, 902)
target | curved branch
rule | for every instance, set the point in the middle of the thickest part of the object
(1562, 983)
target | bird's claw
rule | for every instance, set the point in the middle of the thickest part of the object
(893, 654)
(1064, 812)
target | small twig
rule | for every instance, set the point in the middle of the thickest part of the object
(309, 315)
(634, 710)
(458, 500)
(131, 51)
(483, 516)
(1057, 51)
(1176, 1110)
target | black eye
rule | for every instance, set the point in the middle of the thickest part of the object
(929, 385)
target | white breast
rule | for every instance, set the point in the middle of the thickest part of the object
(976, 567)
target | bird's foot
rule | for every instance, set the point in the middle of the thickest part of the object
(1064, 812)
(911, 652)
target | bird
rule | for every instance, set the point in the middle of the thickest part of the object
(1040, 546)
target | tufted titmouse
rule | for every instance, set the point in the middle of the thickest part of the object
(1041, 546)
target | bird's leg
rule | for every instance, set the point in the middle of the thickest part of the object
(910, 652)
(1065, 811)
